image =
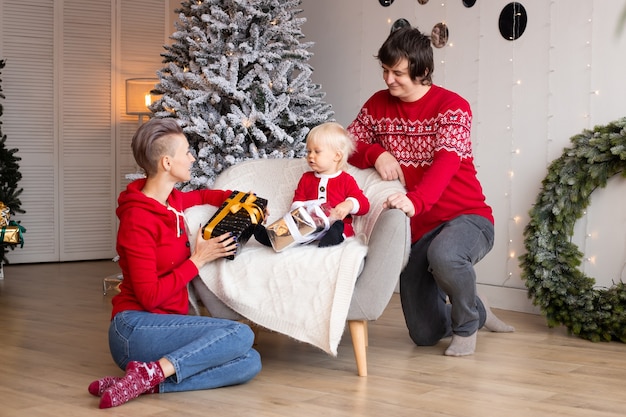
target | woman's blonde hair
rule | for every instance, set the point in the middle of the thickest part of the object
(336, 137)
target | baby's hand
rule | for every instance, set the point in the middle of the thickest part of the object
(266, 214)
(341, 210)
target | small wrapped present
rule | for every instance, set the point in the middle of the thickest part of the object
(300, 226)
(13, 234)
(5, 215)
(239, 214)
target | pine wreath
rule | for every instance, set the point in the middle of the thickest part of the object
(550, 267)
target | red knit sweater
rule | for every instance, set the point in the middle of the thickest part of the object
(154, 250)
(430, 138)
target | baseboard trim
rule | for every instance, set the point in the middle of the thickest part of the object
(507, 298)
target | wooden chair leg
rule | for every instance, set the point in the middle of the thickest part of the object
(358, 330)
(367, 335)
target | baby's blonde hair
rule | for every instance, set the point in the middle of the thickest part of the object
(336, 137)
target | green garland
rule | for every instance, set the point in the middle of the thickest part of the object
(550, 266)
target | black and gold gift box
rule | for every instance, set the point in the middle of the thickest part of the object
(239, 214)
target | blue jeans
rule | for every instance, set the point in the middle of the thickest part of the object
(206, 352)
(441, 264)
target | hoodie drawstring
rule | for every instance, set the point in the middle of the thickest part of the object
(179, 214)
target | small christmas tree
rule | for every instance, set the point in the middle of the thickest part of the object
(9, 177)
(238, 81)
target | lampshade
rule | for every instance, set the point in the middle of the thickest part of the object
(138, 96)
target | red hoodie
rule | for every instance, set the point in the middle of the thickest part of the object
(154, 250)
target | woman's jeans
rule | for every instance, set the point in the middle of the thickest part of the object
(441, 264)
(206, 352)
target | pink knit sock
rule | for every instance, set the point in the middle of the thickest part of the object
(140, 378)
(97, 387)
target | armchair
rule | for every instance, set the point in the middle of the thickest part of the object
(385, 232)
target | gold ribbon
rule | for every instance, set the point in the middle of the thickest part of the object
(234, 205)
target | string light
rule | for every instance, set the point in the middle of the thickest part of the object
(591, 260)
(551, 74)
(515, 220)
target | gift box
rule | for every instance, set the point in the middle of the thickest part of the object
(12, 234)
(300, 226)
(239, 214)
(5, 215)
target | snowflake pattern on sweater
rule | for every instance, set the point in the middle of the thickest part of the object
(450, 132)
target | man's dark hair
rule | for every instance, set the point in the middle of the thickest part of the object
(411, 44)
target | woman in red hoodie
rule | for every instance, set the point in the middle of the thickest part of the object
(151, 336)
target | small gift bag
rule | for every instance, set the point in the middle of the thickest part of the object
(239, 214)
(300, 226)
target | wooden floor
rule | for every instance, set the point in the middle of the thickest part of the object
(53, 329)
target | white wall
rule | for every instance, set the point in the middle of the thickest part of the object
(529, 97)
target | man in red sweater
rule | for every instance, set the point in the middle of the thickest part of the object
(419, 133)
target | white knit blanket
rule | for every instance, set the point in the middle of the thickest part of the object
(303, 292)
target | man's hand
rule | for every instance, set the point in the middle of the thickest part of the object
(401, 202)
(389, 168)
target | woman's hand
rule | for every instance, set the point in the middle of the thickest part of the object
(209, 250)
(389, 168)
(401, 202)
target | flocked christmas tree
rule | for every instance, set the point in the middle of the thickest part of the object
(9, 179)
(238, 81)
